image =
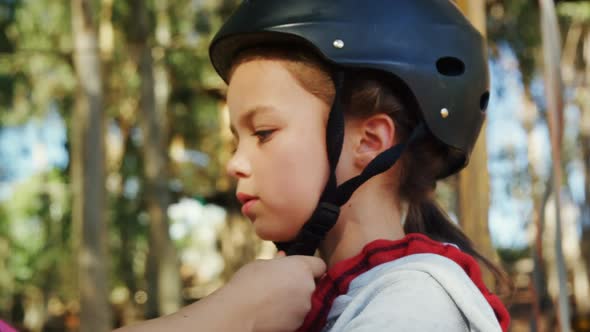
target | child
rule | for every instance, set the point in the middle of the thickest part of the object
(346, 113)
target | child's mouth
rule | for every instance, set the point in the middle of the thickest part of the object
(247, 206)
(247, 202)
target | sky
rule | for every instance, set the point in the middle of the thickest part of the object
(33, 147)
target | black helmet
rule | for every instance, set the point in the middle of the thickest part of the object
(426, 44)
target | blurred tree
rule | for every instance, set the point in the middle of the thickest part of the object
(516, 22)
(584, 97)
(473, 184)
(553, 92)
(88, 164)
(162, 258)
(576, 73)
(36, 68)
(40, 76)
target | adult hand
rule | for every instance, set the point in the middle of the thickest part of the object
(276, 292)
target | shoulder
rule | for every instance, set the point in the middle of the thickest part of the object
(415, 293)
(410, 300)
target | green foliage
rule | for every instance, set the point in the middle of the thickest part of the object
(516, 22)
(37, 71)
(510, 256)
(33, 223)
(577, 11)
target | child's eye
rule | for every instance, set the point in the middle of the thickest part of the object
(263, 135)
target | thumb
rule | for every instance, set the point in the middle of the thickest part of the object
(316, 265)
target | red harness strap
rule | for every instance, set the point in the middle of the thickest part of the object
(336, 281)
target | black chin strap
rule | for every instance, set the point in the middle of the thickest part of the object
(327, 211)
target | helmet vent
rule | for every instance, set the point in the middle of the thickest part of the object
(450, 66)
(483, 101)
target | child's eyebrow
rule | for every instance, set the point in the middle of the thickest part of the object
(249, 115)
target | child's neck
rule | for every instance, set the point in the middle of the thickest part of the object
(372, 213)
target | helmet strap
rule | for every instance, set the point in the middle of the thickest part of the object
(327, 211)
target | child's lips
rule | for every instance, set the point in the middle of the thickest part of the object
(243, 198)
(247, 206)
(247, 202)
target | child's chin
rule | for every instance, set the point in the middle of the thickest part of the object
(274, 235)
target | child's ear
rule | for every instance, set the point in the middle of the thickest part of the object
(376, 134)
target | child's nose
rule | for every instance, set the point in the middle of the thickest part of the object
(238, 167)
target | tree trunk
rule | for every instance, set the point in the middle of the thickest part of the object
(585, 143)
(540, 196)
(540, 271)
(152, 120)
(553, 91)
(106, 31)
(474, 186)
(88, 174)
(577, 261)
(585, 209)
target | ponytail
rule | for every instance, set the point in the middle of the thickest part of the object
(430, 219)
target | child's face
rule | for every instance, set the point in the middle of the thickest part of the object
(281, 150)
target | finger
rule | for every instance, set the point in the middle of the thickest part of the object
(280, 254)
(316, 265)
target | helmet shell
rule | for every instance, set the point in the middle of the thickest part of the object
(427, 44)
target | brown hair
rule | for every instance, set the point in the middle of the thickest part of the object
(368, 92)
